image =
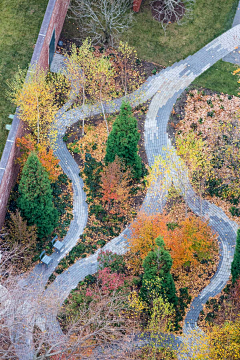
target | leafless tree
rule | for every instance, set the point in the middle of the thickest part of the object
(29, 329)
(168, 11)
(102, 20)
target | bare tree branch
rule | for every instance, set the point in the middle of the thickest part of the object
(102, 20)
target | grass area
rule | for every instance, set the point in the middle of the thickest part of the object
(219, 78)
(19, 27)
(210, 19)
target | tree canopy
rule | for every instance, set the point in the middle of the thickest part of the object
(123, 141)
(35, 197)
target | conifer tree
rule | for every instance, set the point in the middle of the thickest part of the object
(123, 141)
(235, 269)
(35, 197)
(157, 280)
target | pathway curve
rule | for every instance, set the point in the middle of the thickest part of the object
(166, 87)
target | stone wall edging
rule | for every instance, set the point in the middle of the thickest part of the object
(53, 19)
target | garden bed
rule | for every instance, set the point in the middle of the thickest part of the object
(198, 112)
(98, 232)
(63, 200)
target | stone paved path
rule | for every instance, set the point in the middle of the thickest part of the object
(165, 88)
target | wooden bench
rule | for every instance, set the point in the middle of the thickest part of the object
(58, 245)
(45, 259)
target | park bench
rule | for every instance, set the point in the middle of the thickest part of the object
(45, 259)
(58, 245)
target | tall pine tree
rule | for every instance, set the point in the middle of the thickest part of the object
(123, 141)
(235, 269)
(35, 197)
(157, 280)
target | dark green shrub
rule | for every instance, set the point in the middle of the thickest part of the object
(235, 268)
(234, 211)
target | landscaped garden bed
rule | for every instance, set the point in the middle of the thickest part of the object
(205, 125)
(25, 239)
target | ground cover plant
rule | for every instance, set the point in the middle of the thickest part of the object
(113, 193)
(19, 28)
(207, 140)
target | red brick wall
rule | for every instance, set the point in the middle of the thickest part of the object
(53, 19)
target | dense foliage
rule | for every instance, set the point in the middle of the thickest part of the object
(235, 269)
(35, 197)
(157, 279)
(123, 141)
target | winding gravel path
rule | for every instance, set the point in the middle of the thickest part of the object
(165, 88)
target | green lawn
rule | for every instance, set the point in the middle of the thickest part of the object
(210, 19)
(19, 27)
(219, 78)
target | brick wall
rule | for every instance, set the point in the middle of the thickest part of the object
(53, 19)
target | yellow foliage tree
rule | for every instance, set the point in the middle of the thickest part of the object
(37, 99)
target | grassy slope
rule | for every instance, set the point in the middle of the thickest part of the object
(19, 27)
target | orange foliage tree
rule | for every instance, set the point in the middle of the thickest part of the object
(115, 188)
(190, 241)
(144, 230)
(27, 144)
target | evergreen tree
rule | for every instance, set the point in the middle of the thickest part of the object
(235, 269)
(35, 197)
(157, 280)
(123, 141)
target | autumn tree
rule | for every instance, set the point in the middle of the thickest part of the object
(102, 20)
(35, 197)
(37, 100)
(115, 188)
(144, 230)
(161, 322)
(220, 342)
(19, 232)
(190, 242)
(168, 169)
(157, 279)
(235, 268)
(123, 141)
(194, 152)
(130, 76)
(78, 66)
(102, 82)
(45, 154)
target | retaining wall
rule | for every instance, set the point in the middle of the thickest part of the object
(53, 19)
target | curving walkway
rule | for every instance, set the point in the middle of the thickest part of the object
(165, 88)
